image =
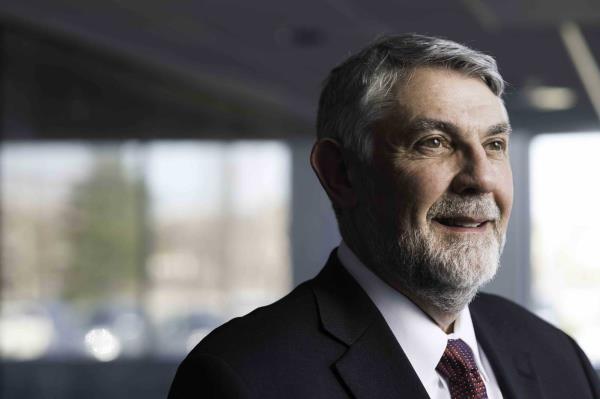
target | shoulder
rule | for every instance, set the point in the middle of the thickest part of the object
(281, 345)
(508, 330)
(223, 363)
(292, 316)
(504, 315)
(506, 323)
(494, 303)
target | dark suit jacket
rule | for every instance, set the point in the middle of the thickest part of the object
(326, 339)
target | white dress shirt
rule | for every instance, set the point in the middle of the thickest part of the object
(421, 339)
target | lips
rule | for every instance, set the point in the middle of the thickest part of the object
(461, 221)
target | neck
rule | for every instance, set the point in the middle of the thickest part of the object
(441, 317)
(444, 320)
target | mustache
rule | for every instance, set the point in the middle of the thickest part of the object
(476, 207)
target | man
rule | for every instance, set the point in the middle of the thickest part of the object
(412, 150)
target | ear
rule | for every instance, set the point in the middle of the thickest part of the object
(333, 173)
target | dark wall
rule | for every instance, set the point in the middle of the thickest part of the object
(148, 379)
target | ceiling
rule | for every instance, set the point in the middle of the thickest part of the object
(280, 51)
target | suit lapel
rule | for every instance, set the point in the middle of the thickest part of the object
(509, 359)
(373, 365)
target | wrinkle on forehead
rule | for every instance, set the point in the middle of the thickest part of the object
(447, 95)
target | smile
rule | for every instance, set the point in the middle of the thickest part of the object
(462, 223)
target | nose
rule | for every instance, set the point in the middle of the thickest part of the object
(476, 174)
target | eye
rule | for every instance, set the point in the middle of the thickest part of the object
(432, 144)
(496, 145)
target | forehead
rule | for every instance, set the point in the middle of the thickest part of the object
(449, 95)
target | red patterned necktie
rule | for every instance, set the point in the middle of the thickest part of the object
(458, 367)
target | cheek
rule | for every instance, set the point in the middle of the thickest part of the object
(418, 191)
(505, 199)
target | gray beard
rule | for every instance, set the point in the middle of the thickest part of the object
(444, 271)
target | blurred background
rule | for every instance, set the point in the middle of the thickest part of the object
(155, 182)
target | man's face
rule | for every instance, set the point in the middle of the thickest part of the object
(440, 189)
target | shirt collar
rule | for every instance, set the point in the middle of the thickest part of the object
(421, 339)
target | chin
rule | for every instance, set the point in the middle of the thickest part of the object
(449, 272)
(446, 270)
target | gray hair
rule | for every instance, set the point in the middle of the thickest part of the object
(358, 92)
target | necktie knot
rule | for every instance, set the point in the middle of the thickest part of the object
(459, 368)
(457, 359)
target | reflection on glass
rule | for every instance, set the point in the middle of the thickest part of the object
(565, 193)
(127, 250)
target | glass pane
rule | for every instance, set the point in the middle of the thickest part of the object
(219, 232)
(124, 250)
(565, 194)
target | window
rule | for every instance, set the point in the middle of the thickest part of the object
(565, 195)
(124, 250)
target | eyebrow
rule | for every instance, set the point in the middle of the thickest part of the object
(427, 124)
(499, 128)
